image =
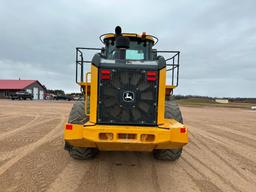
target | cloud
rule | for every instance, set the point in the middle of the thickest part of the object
(217, 39)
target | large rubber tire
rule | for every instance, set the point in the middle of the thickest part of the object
(167, 154)
(172, 111)
(82, 153)
(77, 116)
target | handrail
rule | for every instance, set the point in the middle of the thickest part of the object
(173, 62)
(80, 61)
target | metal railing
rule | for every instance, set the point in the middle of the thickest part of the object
(172, 59)
(80, 61)
(172, 65)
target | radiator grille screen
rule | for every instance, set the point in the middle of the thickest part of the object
(127, 96)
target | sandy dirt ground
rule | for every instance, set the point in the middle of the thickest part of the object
(221, 154)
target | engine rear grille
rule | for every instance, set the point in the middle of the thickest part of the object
(128, 96)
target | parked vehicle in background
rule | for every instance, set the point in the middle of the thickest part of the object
(63, 97)
(22, 95)
(77, 98)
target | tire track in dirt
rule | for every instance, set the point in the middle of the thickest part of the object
(242, 162)
(209, 153)
(240, 179)
(13, 123)
(206, 173)
(215, 151)
(202, 183)
(99, 176)
(134, 171)
(224, 128)
(218, 155)
(166, 176)
(121, 172)
(42, 170)
(192, 141)
(37, 170)
(131, 175)
(7, 115)
(141, 172)
(25, 126)
(28, 136)
(71, 177)
(31, 147)
(238, 136)
(6, 154)
(2, 118)
(228, 176)
(246, 151)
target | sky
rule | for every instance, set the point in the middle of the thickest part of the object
(217, 39)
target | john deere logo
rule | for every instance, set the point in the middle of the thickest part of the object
(128, 96)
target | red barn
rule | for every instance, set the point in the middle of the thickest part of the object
(8, 87)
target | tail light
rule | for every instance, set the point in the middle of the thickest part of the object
(105, 77)
(183, 130)
(105, 74)
(151, 75)
(151, 78)
(69, 126)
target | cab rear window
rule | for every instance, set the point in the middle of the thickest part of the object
(134, 54)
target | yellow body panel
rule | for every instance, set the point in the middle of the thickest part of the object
(161, 96)
(168, 136)
(93, 94)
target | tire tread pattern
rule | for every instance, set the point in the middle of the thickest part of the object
(172, 111)
(77, 116)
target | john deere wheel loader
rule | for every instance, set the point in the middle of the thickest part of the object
(127, 105)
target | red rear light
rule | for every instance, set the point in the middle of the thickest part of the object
(105, 72)
(183, 130)
(105, 77)
(151, 78)
(151, 73)
(69, 126)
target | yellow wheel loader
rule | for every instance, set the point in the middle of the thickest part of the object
(127, 104)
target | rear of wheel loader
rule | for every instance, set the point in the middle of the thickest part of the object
(124, 106)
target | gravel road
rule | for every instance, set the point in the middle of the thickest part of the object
(220, 156)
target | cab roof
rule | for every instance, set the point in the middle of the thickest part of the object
(143, 36)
